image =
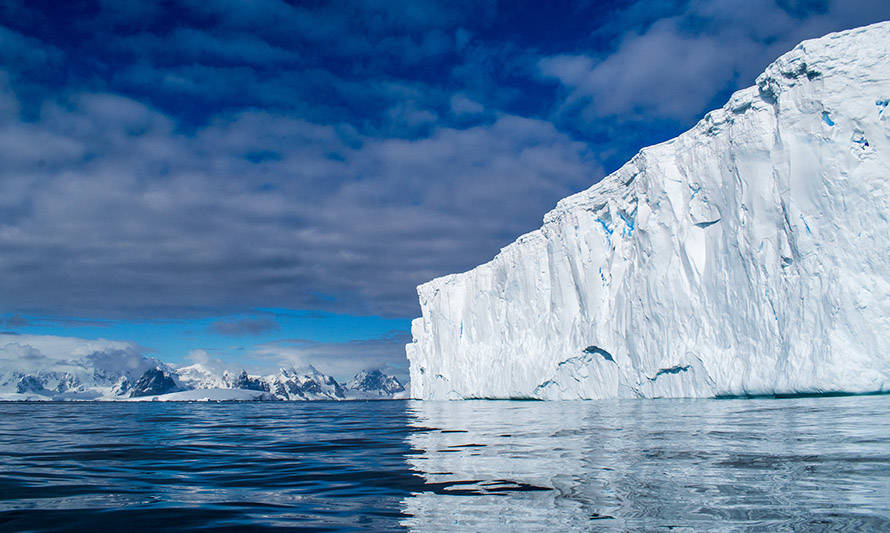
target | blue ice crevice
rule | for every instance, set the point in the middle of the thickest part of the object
(859, 138)
(605, 226)
(807, 226)
(607, 229)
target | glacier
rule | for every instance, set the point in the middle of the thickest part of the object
(748, 256)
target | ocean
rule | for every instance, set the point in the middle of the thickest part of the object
(802, 464)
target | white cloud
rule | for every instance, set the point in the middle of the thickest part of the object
(462, 105)
(570, 70)
(674, 67)
(207, 360)
(342, 360)
(259, 209)
(30, 353)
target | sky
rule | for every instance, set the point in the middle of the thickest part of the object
(263, 183)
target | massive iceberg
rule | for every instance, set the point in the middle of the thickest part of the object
(748, 256)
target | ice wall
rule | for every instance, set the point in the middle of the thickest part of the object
(750, 255)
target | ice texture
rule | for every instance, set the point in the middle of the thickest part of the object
(748, 256)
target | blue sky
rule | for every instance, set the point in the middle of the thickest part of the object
(262, 182)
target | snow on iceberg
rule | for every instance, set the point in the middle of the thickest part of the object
(748, 256)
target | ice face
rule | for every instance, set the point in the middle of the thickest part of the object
(750, 255)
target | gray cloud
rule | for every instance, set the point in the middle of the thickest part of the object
(126, 215)
(260, 154)
(684, 62)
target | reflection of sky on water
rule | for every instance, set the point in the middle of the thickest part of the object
(818, 463)
(158, 466)
(803, 464)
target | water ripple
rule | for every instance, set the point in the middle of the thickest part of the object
(717, 465)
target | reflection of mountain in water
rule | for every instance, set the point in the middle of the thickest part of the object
(801, 464)
(496, 466)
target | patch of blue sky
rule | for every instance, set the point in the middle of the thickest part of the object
(171, 340)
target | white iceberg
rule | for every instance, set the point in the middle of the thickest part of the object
(748, 256)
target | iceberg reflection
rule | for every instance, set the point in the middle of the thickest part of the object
(813, 463)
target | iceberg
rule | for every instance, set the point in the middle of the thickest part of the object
(748, 256)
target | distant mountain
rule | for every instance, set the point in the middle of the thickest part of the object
(198, 376)
(304, 384)
(97, 375)
(150, 379)
(374, 384)
(152, 383)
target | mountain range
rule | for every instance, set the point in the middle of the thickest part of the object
(81, 379)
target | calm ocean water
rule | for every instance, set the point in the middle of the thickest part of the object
(770, 465)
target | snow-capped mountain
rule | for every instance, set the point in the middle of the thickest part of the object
(153, 382)
(750, 255)
(60, 368)
(373, 384)
(304, 384)
(198, 376)
(118, 372)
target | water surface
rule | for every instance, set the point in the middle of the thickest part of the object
(732, 465)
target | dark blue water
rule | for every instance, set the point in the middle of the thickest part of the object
(718, 465)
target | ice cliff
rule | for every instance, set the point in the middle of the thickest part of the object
(748, 256)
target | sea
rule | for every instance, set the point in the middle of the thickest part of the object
(798, 464)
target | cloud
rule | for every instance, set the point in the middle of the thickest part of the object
(244, 326)
(259, 154)
(678, 65)
(462, 105)
(34, 353)
(207, 360)
(141, 219)
(340, 359)
(111, 359)
(26, 53)
(570, 70)
(661, 73)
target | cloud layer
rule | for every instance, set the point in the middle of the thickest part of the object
(339, 359)
(203, 158)
(34, 353)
